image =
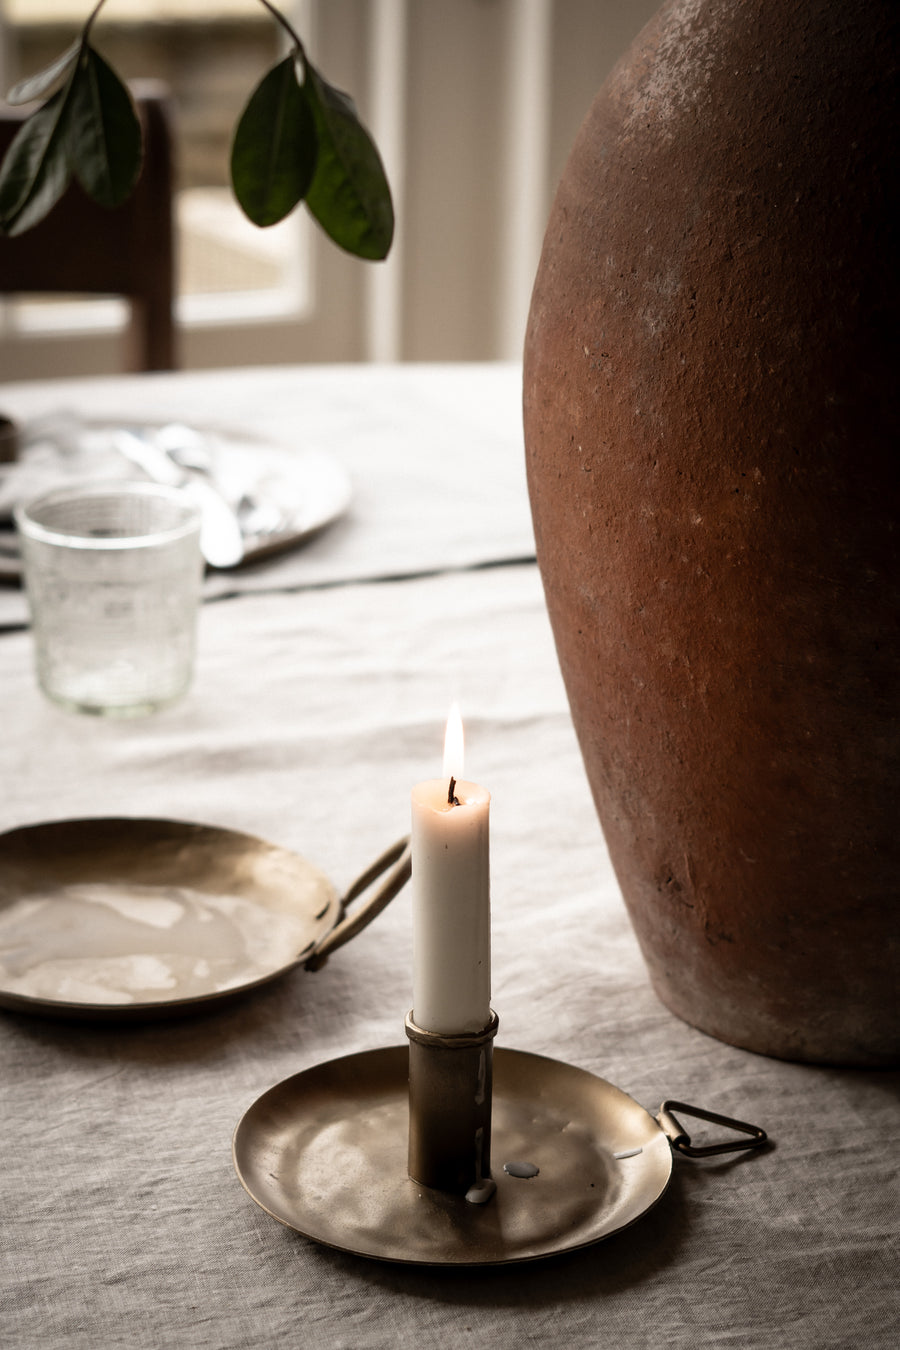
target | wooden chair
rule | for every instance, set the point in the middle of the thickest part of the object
(85, 249)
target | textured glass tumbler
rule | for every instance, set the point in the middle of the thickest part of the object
(112, 574)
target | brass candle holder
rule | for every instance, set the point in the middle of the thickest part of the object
(387, 1153)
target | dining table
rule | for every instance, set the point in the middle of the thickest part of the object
(324, 673)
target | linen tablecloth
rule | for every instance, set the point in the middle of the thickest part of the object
(313, 712)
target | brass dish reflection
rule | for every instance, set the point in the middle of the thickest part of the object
(120, 917)
(325, 1153)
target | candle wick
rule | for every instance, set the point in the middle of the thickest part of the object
(452, 799)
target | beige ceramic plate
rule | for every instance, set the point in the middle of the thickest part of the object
(298, 491)
(121, 917)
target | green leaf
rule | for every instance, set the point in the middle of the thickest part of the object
(36, 171)
(104, 132)
(36, 86)
(349, 196)
(273, 155)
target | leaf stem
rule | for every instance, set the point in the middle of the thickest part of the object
(279, 18)
(90, 19)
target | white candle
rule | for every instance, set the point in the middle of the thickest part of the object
(451, 897)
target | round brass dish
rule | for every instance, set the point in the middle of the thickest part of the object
(120, 917)
(325, 1153)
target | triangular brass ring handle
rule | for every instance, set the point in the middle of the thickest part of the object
(681, 1140)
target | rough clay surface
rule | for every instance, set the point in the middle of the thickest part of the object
(712, 438)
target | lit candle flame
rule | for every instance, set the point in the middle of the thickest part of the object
(453, 745)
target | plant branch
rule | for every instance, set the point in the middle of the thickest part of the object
(279, 18)
(90, 19)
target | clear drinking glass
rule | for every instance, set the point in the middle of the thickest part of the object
(112, 574)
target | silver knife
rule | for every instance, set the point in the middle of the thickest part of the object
(221, 540)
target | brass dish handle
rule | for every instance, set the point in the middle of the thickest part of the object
(398, 858)
(681, 1140)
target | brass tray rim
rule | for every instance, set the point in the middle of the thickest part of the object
(326, 929)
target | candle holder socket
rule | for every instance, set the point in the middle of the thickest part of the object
(450, 1091)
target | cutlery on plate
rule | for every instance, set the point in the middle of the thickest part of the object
(190, 449)
(221, 537)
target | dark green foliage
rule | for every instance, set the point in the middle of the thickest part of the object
(349, 197)
(298, 138)
(274, 152)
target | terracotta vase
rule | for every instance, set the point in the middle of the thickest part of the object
(710, 401)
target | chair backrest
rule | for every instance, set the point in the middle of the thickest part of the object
(86, 249)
